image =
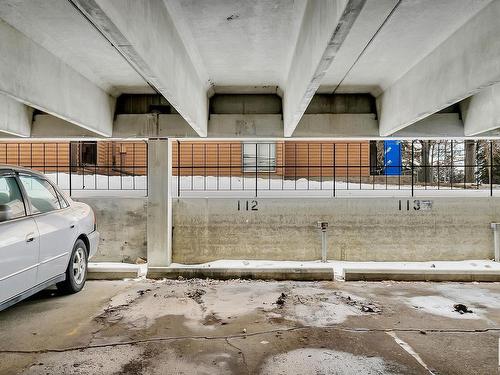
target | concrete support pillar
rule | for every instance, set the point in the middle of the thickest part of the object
(159, 221)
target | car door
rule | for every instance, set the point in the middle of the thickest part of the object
(19, 241)
(56, 226)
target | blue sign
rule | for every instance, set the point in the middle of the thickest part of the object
(392, 158)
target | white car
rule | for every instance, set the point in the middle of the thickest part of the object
(45, 237)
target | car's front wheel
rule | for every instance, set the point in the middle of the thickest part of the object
(76, 273)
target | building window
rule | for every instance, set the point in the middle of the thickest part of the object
(88, 153)
(259, 156)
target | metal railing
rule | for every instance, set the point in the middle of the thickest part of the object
(334, 169)
(84, 167)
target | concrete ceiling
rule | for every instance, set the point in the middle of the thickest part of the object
(188, 49)
(241, 42)
(57, 26)
(251, 43)
(413, 30)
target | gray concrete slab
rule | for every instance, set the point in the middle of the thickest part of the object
(240, 327)
(360, 229)
(353, 274)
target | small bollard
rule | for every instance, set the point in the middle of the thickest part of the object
(322, 225)
(496, 240)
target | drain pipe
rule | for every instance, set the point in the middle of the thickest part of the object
(322, 225)
(496, 240)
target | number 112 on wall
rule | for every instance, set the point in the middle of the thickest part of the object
(248, 205)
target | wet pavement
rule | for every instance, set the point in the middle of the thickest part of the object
(254, 327)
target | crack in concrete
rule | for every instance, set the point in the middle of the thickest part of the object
(240, 351)
(251, 334)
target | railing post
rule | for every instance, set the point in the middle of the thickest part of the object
(70, 169)
(178, 168)
(412, 167)
(451, 165)
(334, 170)
(256, 169)
(491, 168)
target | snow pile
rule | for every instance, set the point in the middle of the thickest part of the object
(94, 184)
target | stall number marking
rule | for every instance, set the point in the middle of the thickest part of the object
(248, 205)
(417, 205)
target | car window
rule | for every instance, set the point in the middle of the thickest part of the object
(11, 199)
(42, 195)
(62, 201)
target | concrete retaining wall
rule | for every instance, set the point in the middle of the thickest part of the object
(122, 225)
(360, 229)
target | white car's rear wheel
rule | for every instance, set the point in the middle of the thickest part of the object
(76, 273)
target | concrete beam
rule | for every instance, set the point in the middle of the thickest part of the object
(151, 125)
(481, 112)
(144, 33)
(320, 125)
(338, 125)
(438, 125)
(15, 117)
(35, 77)
(461, 66)
(219, 126)
(48, 126)
(245, 126)
(324, 28)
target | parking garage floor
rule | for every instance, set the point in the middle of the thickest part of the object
(254, 327)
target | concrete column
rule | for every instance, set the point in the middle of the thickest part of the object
(159, 222)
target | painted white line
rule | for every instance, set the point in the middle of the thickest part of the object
(406, 347)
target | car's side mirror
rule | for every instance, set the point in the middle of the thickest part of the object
(5, 212)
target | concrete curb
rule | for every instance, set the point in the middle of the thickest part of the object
(101, 271)
(306, 274)
(355, 274)
(111, 275)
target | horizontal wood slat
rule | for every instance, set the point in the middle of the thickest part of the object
(113, 158)
(294, 158)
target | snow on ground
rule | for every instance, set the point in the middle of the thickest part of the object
(457, 266)
(473, 296)
(339, 266)
(271, 264)
(223, 186)
(439, 305)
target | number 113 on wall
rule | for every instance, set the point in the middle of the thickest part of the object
(248, 205)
